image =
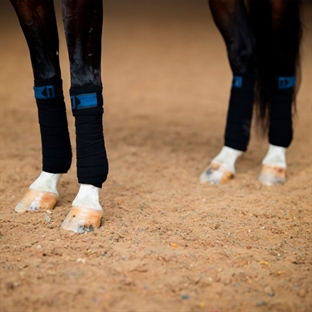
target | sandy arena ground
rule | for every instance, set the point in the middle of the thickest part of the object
(168, 242)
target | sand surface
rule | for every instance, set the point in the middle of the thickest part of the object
(168, 242)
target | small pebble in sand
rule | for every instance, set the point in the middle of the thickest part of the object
(9, 285)
(82, 260)
(47, 218)
(268, 290)
(260, 303)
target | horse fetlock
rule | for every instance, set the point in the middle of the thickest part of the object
(35, 200)
(82, 219)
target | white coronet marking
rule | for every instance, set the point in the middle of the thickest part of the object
(46, 182)
(227, 158)
(88, 196)
(276, 156)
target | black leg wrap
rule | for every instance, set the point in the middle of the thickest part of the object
(237, 132)
(56, 148)
(281, 131)
(92, 163)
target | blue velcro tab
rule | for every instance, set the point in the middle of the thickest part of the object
(237, 82)
(86, 100)
(286, 82)
(44, 92)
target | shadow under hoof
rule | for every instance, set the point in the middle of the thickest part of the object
(216, 174)
(36, 200)
(271, 175)
(82, 219)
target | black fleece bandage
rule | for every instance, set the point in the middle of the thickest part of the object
(56, 149)
(237, 131)
(281, 131)
(87, 107)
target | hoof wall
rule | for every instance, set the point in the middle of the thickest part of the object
(81, 220)
(216, 174)
(36, 200)
(271, 175)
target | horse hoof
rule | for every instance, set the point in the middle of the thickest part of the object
(82, 219)
(271, 175)
(36, 200)
(216, 174)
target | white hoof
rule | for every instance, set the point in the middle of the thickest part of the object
(216, 174)
(82, 219)
(271, 175)
(37, 200)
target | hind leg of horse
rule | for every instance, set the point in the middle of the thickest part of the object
(231, 18)
(83, 28)
(286, 34)
(37, 20)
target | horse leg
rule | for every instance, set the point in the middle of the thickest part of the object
(37, 20)
(83, 28)
(286, 35)
(232, 20)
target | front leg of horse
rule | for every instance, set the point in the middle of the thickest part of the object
(41, 195)
(285, 61)
(222, 167)
(274, 166)
(239, 42)
(86, 213)
(83, 28)
(38, 22)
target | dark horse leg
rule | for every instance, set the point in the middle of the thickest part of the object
(231, 18)
(262, 40)
(37, 19)
(283, 61)
(83, 26)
